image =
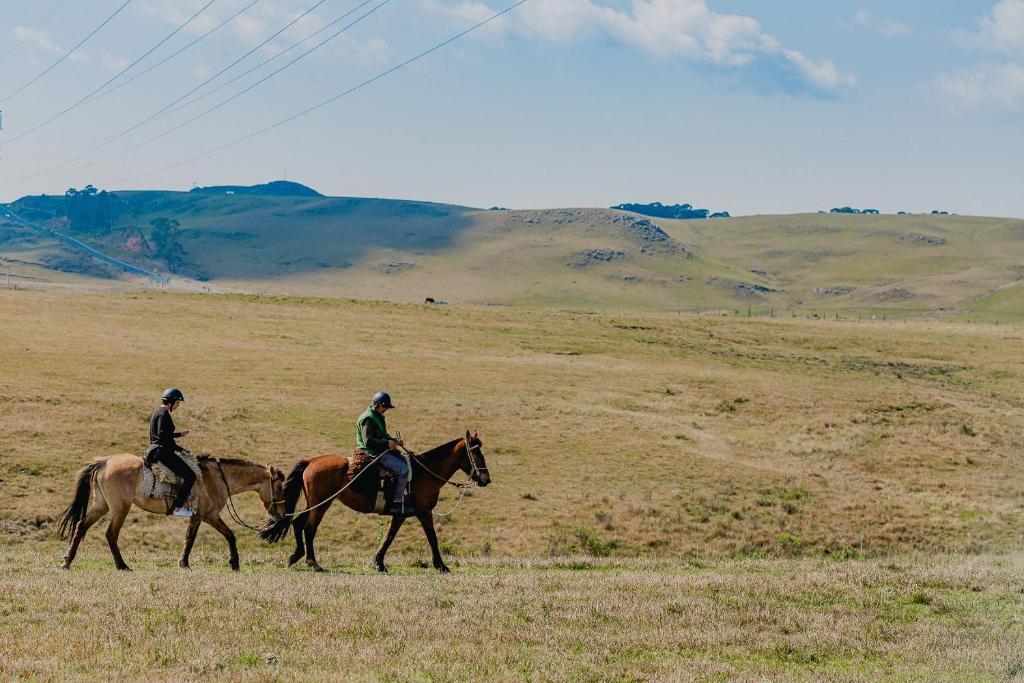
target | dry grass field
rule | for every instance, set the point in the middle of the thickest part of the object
(674, 497)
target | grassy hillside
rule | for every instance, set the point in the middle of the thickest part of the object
(853, 265)
(674, 496)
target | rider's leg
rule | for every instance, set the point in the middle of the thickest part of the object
(396, 464)
(178, 466)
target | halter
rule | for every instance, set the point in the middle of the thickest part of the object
(473, 468)
(231, 504)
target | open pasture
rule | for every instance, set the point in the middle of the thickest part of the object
(674, 496)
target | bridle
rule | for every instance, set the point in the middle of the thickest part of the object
(231, 503)
(474, 469)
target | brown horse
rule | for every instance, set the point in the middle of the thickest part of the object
(321, 478)
(116, 481)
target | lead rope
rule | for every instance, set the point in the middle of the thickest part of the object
(231, 503)
(336, 493)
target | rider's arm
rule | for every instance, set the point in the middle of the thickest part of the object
(372, 437)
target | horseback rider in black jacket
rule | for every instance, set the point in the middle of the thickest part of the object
(163, 435)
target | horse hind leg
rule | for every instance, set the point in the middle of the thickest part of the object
(300, 548)
(117, 517)
(97, 509)
(310, 533)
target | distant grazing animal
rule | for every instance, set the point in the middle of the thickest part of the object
(429, 300)
(322, 477)
(115, 481)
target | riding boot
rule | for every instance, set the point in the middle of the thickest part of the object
(401, 508)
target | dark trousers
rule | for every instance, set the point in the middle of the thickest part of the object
(178, 466)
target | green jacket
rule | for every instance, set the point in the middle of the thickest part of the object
(374, 441)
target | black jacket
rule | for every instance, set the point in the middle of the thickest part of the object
(161, 430)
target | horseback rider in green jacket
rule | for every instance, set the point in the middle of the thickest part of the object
(373, 439)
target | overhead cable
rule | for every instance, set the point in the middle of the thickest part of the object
(115, 76)
(106, 141)
(329, 100)
(45, 19)
(217, 106)
(68, 53)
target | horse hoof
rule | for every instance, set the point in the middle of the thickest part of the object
(124, 568)
(382, 568)
(183, 565)
(234, 566)
(444, 569)
(294, 558)
(318, 569)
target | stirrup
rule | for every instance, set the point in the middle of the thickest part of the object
(182, 512)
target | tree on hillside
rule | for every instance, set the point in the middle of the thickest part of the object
(92, 211)
(165, 241)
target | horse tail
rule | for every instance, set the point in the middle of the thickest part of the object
(293, 486)
(69, 519)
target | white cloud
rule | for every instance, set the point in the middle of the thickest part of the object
(1001, 84)
(1003, 28)
(993, 83)
(39, 40)
(667, 29)
(883, 26)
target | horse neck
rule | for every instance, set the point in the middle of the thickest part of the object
(243, 477)
(445, 464)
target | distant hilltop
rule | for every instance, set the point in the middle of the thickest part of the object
(674, 211)
(277, 188)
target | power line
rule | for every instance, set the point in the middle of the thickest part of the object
(329, 100)
(49, 16)
(265, 61)
(217, 106)
(132, 79)
(103, 143)
(68, 53)
(115, 76)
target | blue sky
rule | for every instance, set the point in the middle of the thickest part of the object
(742, 105)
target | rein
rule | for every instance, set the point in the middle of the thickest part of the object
(231, 503)
(462, 487)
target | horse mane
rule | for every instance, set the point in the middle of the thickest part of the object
(207, 457)
(434, 451)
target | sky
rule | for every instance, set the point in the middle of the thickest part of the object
(748, 106)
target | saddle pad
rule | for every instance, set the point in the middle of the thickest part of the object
(165, 475)
(154, 488)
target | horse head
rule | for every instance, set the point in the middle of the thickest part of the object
(272, 493)
(473, 462)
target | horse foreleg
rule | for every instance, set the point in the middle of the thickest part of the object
(97, 510)
(427, 522)
(378, 559)
(190, 539)
(217, 523)
(310, 532)
(117, 517)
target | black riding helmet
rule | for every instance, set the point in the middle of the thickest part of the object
(382, 398)
(172, 395)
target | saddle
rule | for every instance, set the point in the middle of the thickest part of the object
(379, 484)
(160, 483)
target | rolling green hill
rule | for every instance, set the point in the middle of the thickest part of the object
(286, 238)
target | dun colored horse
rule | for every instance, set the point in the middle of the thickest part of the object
(115, 481)
(322, 477)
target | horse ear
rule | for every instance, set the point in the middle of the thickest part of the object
(273, 471)
(468, 439)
